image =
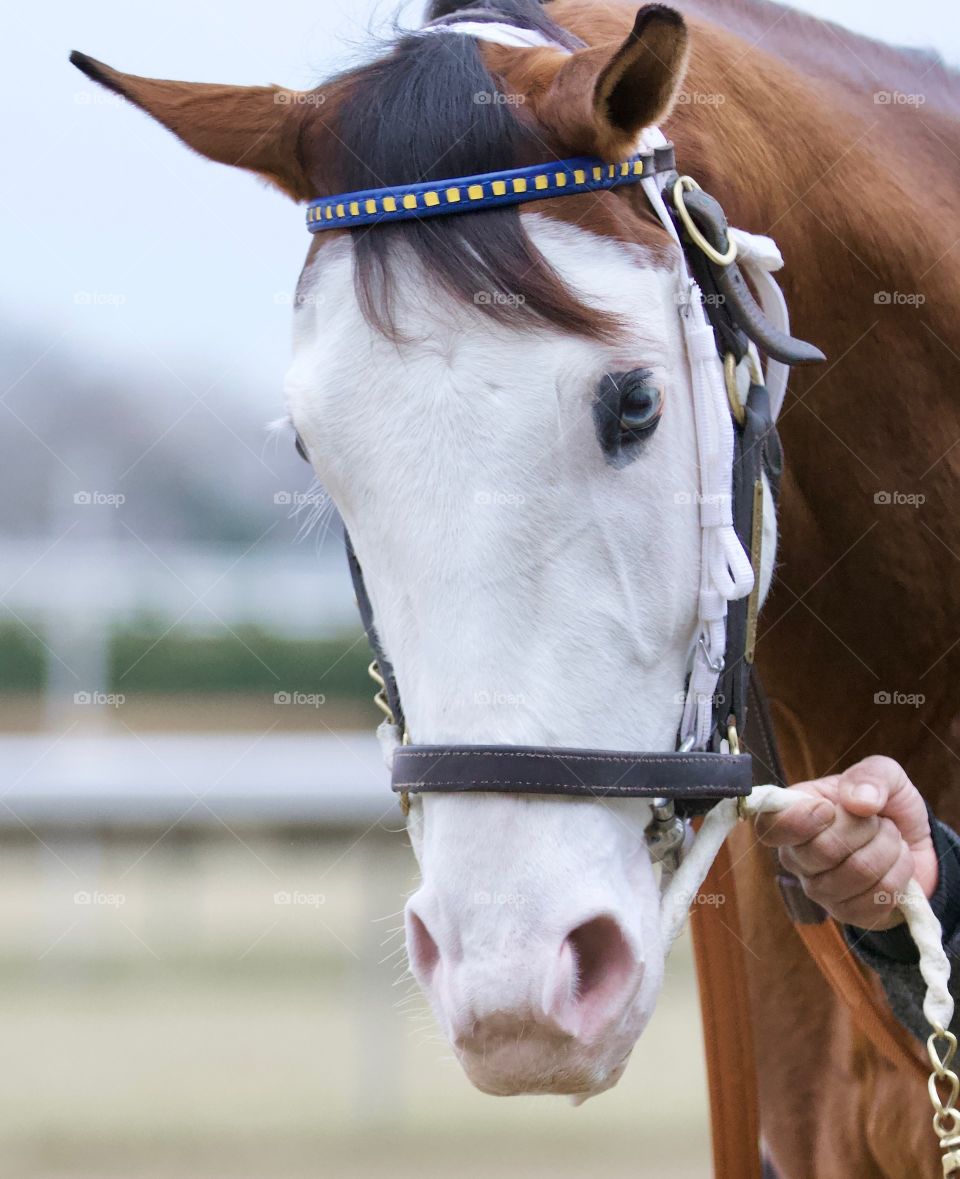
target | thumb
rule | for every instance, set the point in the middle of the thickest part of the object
(880, 786)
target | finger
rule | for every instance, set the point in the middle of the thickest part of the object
(831, 847)
(878, 906)
(863, 869)
(799, 824)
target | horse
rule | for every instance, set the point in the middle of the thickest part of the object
(528, 524)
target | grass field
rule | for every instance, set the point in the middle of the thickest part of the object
(161, 1015)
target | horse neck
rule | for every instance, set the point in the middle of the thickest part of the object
(858, 197)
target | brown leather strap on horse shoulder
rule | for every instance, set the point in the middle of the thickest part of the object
(849, 981)
(727, 1032)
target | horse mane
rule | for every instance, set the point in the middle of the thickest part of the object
(822, 49)
(428, 110)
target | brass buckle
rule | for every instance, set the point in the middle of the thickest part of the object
(685, 184)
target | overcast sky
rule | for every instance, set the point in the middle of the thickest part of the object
(120, 245)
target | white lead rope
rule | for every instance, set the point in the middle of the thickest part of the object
(683, 886)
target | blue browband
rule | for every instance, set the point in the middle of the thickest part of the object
(466, 194)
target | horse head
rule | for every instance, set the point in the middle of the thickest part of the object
(501, 407)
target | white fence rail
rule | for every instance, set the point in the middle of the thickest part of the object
(193, 781)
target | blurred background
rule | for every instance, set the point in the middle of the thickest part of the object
(201, 867)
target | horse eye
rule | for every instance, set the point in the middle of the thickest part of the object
(301, 449)
(627, 407)
(641, 403)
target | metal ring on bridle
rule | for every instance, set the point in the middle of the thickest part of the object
(685, 184)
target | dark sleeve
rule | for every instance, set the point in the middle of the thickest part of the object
(892, 953)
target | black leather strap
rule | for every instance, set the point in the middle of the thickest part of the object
(594, 773)
(749, 462)
(729, 302)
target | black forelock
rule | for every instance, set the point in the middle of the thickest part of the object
(427, 111)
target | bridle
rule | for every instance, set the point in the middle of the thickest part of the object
(738, 444)
(725, 329)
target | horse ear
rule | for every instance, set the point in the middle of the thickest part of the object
(253, 127)
(600, 101)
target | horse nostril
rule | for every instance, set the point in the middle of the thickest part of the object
(422, 950)
(606, 968)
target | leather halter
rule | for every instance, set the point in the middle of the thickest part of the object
(688, 780)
